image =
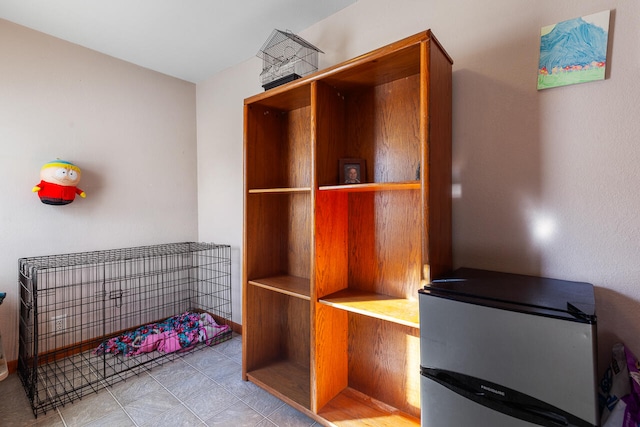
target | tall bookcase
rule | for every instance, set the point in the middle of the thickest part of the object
(331, 271)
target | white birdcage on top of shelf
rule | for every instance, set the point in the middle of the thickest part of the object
(286, 57)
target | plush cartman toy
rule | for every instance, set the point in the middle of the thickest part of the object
(58, 183)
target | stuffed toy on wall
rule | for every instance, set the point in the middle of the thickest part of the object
(58, 183)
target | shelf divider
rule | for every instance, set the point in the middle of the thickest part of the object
(280, 190)
(380, 306)
(298, 287)
(373, 186)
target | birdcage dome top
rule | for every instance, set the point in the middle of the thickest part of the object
(276, 40)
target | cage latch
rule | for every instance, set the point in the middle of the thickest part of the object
(117, 295)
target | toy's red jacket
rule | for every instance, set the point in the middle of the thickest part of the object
(54, 194)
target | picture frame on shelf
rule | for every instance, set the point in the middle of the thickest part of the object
(352, 171)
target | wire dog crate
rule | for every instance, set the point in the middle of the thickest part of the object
(92, 319)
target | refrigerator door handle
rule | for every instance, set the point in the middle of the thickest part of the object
(503, 399)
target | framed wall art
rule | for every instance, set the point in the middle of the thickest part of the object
(573, 51)
(352, 171)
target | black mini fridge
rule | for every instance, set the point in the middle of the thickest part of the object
(500, 349)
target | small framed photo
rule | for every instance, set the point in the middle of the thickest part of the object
(352, 171)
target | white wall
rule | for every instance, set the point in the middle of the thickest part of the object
(131, 131)
(567, 156)
(220, 169)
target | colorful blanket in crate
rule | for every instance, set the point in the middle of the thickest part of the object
(180, 332)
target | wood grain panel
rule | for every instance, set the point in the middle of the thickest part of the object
(384, 362)
(396, 130)
(278, 148)
(363, 261)
(360, 118)
(286, 380)
(379, 69)
(331, 242)
(331, 273)
(279, 235)
(385, 242)
(331, 373)
(384, 129)
(296, 153)
(263, 125)
(384, 307)
(331, 134)
(283, 98)
(265, 227)
(277, 329)
(299, 233)
(439, 225)
(354, 409)
(393, 186)
(297, 347)
(262, 329)
(289, 285)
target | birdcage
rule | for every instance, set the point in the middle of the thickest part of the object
(286, 57)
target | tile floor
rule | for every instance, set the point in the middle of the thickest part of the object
(202, 388)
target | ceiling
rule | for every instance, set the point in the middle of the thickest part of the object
(188, 39)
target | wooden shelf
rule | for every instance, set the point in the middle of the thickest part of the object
(330, 271)
(295, 95)
(352, 408)
(289, 285)
(280, 190)
(374, 186)
(285, 380)
(384, 307)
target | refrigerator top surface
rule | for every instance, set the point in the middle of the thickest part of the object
(529, 294)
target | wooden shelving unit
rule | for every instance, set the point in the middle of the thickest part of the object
(331, 272)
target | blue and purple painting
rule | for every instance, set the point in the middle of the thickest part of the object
(573, 51)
